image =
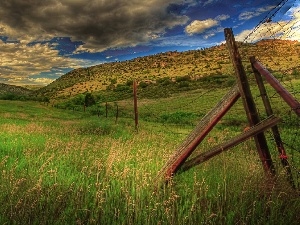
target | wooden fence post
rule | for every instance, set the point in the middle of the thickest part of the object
(275, 130)
(136, 119)
(249, 105)
(106, 109)
(117, 113)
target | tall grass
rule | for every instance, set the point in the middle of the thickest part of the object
(60, 167)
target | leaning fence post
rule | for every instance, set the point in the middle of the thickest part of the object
(275, 130)
(249, 105)
(287, 97)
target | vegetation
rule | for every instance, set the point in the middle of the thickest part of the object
(65, 167)
(74, 162)
(170, 66)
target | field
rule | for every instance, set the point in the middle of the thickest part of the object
(64, 167)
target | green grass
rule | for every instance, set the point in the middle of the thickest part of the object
(65, 167)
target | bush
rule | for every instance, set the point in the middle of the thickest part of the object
(122, 87)
(183, 84)
(183, 79)
(89, 100)
(164, 81)
(143, 84)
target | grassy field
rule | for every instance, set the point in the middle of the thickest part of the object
(65, 167)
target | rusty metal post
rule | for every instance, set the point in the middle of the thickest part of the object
(136, 116)
(249, 105)
(275, 130)
(287, 97)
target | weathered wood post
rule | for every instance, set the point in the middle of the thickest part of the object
(136, 119)
(275, 130)
(248, 102)
(106, 109)
(117, 113)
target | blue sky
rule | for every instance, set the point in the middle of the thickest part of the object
(42, 40)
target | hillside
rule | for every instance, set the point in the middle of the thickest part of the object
(195, 64)
(12, 89)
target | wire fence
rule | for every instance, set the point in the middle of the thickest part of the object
(184, 101)
(287, 71)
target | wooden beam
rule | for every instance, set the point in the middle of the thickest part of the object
(263, 125)
(249, 105)
(204, 127)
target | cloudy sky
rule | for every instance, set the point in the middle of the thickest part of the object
(40, 40)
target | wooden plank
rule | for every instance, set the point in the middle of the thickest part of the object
(263, 125)
(206, 125)
(249, 105)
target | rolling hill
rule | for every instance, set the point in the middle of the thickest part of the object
(275, 54)
(12, 89)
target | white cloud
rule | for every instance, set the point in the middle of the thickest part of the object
(19, 61)
(209, 2)
(40, 81)
(256, 12)
(199, 26)
(281, 30)
(222, 17)
(288, 29)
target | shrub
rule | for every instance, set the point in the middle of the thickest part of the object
(183, 79)
(89, 100)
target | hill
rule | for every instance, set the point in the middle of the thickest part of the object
(12, 90)
(275, 54)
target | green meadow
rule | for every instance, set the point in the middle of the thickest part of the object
(72, 167)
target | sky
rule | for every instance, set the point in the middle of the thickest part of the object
(40, 40)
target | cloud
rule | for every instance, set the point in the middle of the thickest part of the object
(247, 15)
(199, 26)
(99, 24)
(20, 61)
(209, 2)
(40, 81)
(222, 17)
(288, 30)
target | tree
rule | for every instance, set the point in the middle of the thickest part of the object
(89, 100)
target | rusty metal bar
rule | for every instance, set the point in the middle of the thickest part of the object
(249, 105)
(287, 97)
(275, 130)
(263, 125)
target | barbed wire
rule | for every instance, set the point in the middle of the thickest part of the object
(287, 72)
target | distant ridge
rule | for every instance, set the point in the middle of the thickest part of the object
(195, 63)
(12, 89)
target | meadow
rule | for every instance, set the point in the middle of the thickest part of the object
(71, 167)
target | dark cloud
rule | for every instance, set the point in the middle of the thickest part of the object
(98, 23)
